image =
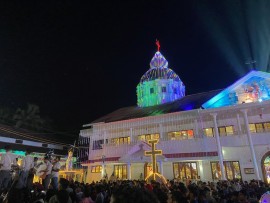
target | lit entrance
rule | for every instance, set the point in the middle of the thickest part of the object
(266, 167)
(148, 169)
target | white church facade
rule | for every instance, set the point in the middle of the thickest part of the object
(216, 135)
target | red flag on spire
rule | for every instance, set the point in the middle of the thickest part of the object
(158, 44)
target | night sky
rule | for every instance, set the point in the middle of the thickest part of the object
(79, 61)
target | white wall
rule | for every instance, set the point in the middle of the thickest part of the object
(136, 170)
(168, 170)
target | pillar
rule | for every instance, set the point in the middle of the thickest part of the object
(131, 135)
(102, 170)
(104, 138)
(220, 154)
(160, 131)
(251, 146)
(196, 129)
(239, 124)
(129, 171)
(160, 167)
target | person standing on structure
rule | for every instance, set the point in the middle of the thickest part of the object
(55, 172)
(47, 173)
(7, 160)
(27, 164)
(32, 172)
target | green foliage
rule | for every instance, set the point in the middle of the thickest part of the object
(28, 118)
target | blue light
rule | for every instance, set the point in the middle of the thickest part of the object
(253, 87)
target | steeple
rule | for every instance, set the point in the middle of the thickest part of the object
(159, 84)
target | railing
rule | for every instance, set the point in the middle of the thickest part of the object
(206, 144)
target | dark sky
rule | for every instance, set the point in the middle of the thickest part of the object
(79, 61)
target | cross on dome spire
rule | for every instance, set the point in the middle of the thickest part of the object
(158, 44)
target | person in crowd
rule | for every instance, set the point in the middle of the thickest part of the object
(79, 194)
(32, 171)
(27, 164)
(100, 197)
(47, 173)
(127, 194)
(161, 193)
(87, 197)
(8, 159)
(62, 195)
(55, 172)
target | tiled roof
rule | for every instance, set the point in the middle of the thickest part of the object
(188, 102)
(22, 134)
(21, 147)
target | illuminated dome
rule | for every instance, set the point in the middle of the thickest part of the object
(159, 70)
(159, 84)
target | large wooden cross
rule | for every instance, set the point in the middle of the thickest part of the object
(153, 153)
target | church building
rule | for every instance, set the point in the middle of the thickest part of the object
(216, 135)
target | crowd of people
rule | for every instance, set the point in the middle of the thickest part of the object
(55, 190)
(137, 191)
(19, 177)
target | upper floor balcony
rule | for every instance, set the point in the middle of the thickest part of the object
(202, 143)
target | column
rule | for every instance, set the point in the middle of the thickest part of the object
(160, 131)
(104, 138)
(102, 170)
(251, 146)
(160, 167)
(131, 135)
(129, 171)
(220, 154)
(103, 166)
(239, 124)
(196, 130)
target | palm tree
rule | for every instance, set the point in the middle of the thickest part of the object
(28, 118)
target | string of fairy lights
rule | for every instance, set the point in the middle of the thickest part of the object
(159, 69)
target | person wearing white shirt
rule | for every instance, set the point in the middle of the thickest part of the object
(27, 164)
(32, 171)
(47, 171)
(7, 160)
(55, 172)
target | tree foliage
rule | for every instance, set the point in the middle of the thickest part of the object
(28, 117)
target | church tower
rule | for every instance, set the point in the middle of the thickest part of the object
(159, 84)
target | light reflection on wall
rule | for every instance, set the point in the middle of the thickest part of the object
(254, 87)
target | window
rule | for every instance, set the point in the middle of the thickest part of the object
(232, 170)
(225, 130)
(181, 135)
(222, 130)
(259, 127)
(229, 130)
(208, 132)
(120, 140)
(163, 89)
(185, 170)
(266, 127)
(175, 91)
(252, 128)
(120, 171)
(96, 169)
(148, 137)
(151, 90)
(97, 144)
